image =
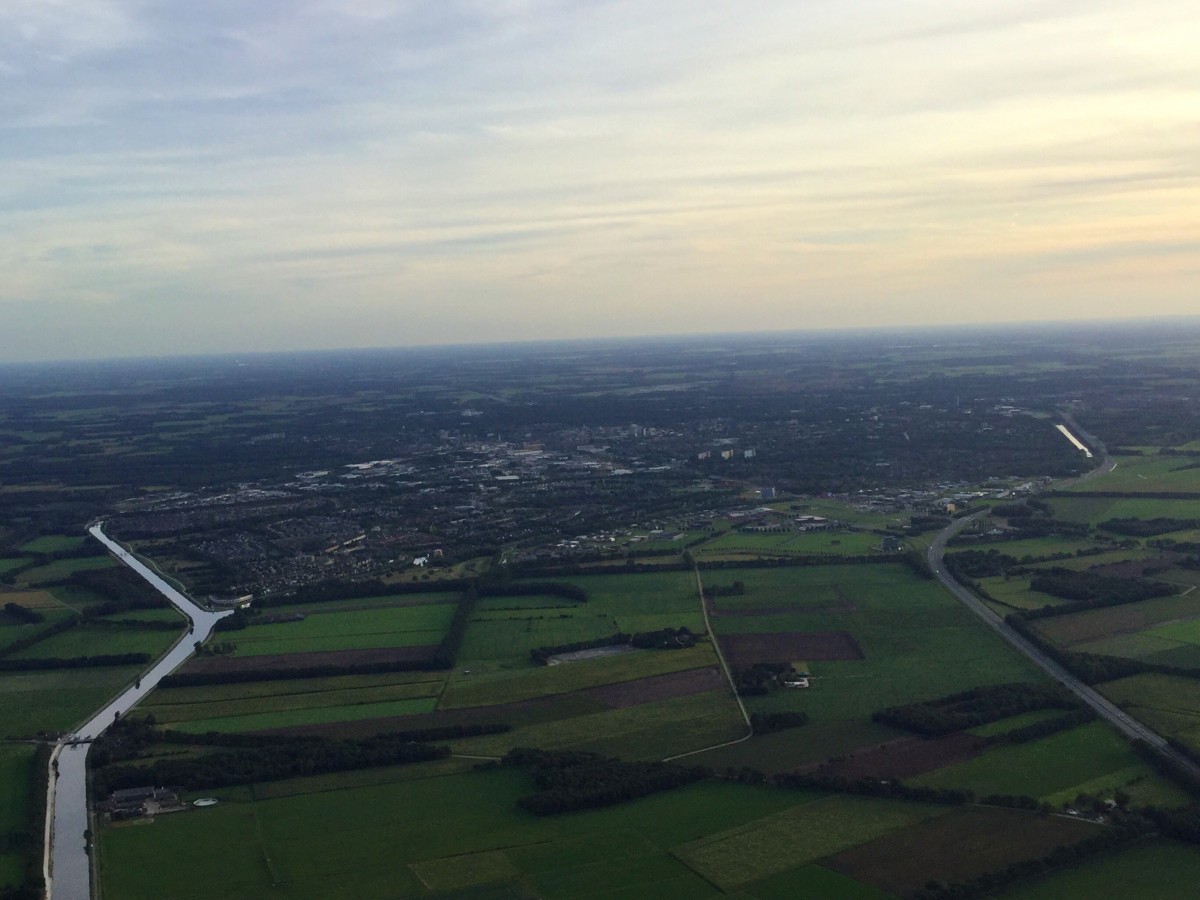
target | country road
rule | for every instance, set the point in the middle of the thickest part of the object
(1120, 719)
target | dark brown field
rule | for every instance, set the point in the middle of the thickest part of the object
(744, 650)
(657, 687)
(957, 847)
(905, 757)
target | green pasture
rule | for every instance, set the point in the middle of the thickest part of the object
(1159, 870)
(1040, 768)
(169, 713)
(843, 512)
(54, 543)
(75, 596)
(1012, 722)
(57, 699)
(1014, 592)
(64, 568)
(434, 598)
(506, 637)
(486, 688)
(8, 563)
(812, 881)
(1137, 474)
(1094, 510)
(392, 840)
(310, 715)
(1167, 703)
(735, 544)
(347, 630)
(646, 731)
(1083, 563)
(1127, 618)
(284, 690)
(919, 643)
(98, 640)
(1029, 549)
(800, 835)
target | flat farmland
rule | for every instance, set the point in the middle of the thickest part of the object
(1162, 870)
(57, 699)
(811, 881)
(94, 640)
(1131, 617)
(806, 833)
(1015, 593)
(1167, 703)
(410, 626)
(917, 643)
(751, 545)
(468, 689)
(311, 715)
(507, 637)
(390, 840)
(64, 568)
(959, 846)
(8, 563)
(1030, 548)
(1136, 474)
(1040, 768)
(54, 543)
(16, 803)
(744, 650)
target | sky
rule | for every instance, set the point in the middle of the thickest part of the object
(182, 177)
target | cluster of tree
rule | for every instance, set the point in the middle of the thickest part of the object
(1169, 768)
(238, 620)
(737, 589)
(977, 706)
(1094, 591)
(1014, 510)
(1173, 546)
(759, 679)
(916, 561)
(74, 662)
(664, 639)
(971, 564)
(1038, 526)
(196, 679)
(23, 614)
(570, 780)
(1103, 842)
(279, 760)
(497, 587)
(891, 788)
(122, 589)
(1037, 730)
(1181, 824)
(1135, 527)
(42, 634)
(768, 723)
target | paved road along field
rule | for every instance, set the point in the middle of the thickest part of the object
(1124, 722)
(67, 813)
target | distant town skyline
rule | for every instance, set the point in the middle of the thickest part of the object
(233, 177)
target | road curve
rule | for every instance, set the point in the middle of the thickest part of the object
(1120, 719)
(68, 868)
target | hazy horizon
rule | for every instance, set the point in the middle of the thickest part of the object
(232, 178)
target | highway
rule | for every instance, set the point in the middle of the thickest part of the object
(1120, 719)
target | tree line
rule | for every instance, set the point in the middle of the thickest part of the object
(978, 706)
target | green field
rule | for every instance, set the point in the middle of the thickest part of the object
(64, 568)
(8, 563)
(1152, 473)
(1161, 870)
(347, 630)
(16, 804)
(1040, 768)
(392, 840)
(95, 640)
(919, 643)
(57, 699)
(732, 545)
(54, 543)
(1130, 617)
(310, 715)
(1167, 703)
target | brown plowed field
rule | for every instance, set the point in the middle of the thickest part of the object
(657, 687)
(905, 757)
(744, 650)
(278, 661)
(957, 847)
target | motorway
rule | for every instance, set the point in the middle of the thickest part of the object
(1120, 719)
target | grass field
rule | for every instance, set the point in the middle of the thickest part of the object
(1154, 473)
(1056, 763)
(1131, 617)
(737, 544)
(391, 840)
(8, 563)
(919, 643)
(95, 640)
(803, 834)
(310, 715)
(16, 801)
(64, 568)
(1161, 870)
(54, 543)
(347, 630)
(1167, 703)
(56, 700)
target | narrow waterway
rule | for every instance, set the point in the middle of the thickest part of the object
(70, 872)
